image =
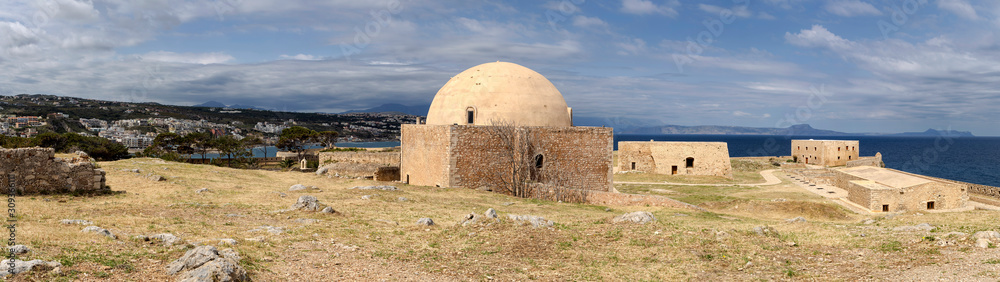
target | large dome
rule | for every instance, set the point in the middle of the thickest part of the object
(499, 91)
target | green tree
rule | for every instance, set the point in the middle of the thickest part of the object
(228, 146)
(327, 138)
(295, 139)
(200, 142)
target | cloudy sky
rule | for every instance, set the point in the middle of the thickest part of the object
(847, 65)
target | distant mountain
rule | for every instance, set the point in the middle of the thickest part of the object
(211, 104)
(799, 129)
(618, 123)
(245, 107)
(418, 110)
(934, 132)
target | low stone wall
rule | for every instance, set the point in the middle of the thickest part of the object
(381, 158)
(387, 173)
(875, 161)
(38, 171)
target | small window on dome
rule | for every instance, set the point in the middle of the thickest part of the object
(471, 115)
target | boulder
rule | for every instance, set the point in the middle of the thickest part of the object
(307, 203)
(101, 231)
(202, 190)
(18, 249)
(639, 217)
(425, 221)
(403, 199)
(25, 266)
(534, 220)
(797, 219)
(367, 197)
(766, 231)
(76, 221)
(328, 210)
(491, 213)
(206, 263)
(379, 187)
(322, 170)
(227, 241)
(167, 239)
(297, 187)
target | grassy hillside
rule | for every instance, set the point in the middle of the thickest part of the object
(378, 238)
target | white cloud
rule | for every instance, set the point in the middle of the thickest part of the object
(959, 7)
(302, 57)
(585, 21)
(851, 8)
(633, 46)
(817, 36)
(646, 7)
(188, 58)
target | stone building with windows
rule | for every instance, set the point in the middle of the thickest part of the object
(886, 190)
(824, 152)
(458, 145)
(676, 158)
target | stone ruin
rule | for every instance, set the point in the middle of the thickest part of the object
(38, 171)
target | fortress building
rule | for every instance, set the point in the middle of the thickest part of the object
(825, 152)
(474, 118)
(675, 158)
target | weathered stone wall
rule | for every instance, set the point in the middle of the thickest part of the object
(380, 158)
(424, 158)
(825, 152)
(875, 161)
(572, 157)
(709, 158)
(38, 171)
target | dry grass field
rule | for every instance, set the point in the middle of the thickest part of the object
(377, 238)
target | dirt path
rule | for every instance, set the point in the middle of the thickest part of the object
(769, 179)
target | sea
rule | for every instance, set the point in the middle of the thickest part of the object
(968, 159)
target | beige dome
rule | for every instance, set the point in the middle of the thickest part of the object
(503, 91)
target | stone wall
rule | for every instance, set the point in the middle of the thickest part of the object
(978, 189)
(707, 158)
(424, 158)
(38, 171)
(875, 161)
(387, 173)
(825, 152)
(572, 157)
(364, 157)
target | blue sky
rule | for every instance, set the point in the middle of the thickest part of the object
(846, 65)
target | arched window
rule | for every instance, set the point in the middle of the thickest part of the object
(471, 115)
(540, 161)
(689, 162)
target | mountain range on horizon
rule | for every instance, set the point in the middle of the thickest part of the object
(626, 125)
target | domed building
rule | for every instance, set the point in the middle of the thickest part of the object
(485, 113)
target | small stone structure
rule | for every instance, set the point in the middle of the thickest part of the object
(38, 171)
(885, 190)
(455, 148)
(825, 152)
(867, 161)
(676, 158)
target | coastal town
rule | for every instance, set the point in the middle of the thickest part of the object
(136, 125)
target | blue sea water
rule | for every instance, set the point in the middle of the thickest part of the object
(969, 159)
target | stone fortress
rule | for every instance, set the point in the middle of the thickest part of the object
(39, 171)
(675, 158)
(459, 145)
(869, 185)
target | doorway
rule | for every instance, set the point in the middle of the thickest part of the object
(633, 165)
(673, 170)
